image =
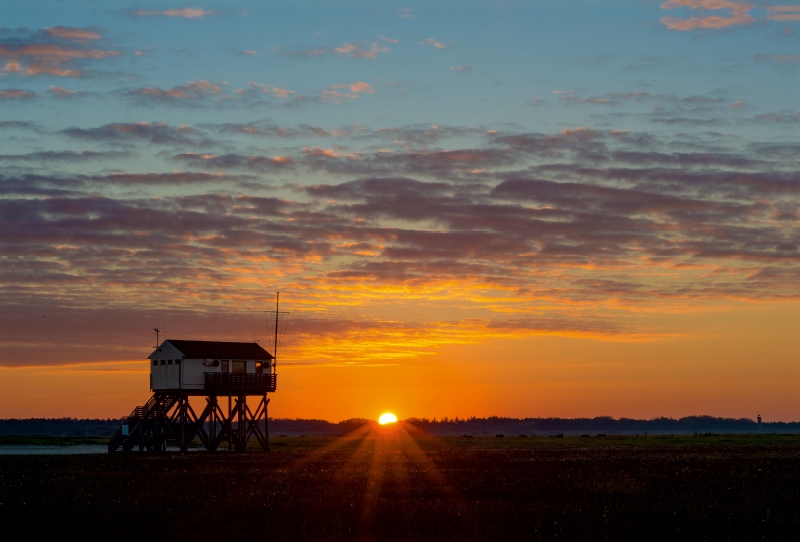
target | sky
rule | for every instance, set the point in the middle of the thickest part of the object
(472, 208)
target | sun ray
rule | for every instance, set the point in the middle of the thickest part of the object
(375, 477)
(331, 447)
(416, 455)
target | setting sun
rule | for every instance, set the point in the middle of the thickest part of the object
(387, 418)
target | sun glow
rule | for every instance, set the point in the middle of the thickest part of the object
(387, 418)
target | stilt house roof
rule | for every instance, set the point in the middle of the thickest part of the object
(218, 349)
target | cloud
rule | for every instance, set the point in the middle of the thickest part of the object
(360, 86)
(461, 68)
(354, 49)
(581, 140)
(193, 90)
(206, 93)
(737, 14)
(561, 229)
(408, 135)
(433, 42)
(76, 34)
(607, 200)
(390, 40)
(669, 109)
(231, 161)
(406, 13)
(20, 125)
(262, 94)
(16, 94)
(306, 53)
(65, 156)
(61, 92)
(777, 59)
(282, 92)
(403, 148)
(439, 164)
(357, 50)
(335, 93)
(317, 339)
(243, 52)
(777, 118)
(48, 59)
(328, 153)
(278, 92)
(159, 133)
(185, 13)
(338, 160)
(783, 13)
(421, 134)
(176, 178)
(267, 129)
(613, 98)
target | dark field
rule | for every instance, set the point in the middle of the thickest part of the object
(395, 486)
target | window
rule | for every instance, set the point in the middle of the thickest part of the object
(238, 366)
(224, 365)
(169, 362)
(155, 362)
(162, 361)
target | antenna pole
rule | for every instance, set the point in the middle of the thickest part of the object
(277, 301)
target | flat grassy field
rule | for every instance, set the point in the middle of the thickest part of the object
(403, 485)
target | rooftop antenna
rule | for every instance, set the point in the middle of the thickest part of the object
(278, 333)
(158, 331)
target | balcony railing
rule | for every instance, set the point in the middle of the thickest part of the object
(246, 383)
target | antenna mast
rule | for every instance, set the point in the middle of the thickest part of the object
(277, 300)
(276, 340)
(158, 331)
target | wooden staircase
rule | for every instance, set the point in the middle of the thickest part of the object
(142, 423)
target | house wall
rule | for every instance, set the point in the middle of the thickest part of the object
(165, 368)
(168, 371)
(194, 370)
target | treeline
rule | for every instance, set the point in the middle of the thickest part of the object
(292, 427)
(73, 427)
(600, 424)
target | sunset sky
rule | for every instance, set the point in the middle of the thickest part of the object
(514, 208)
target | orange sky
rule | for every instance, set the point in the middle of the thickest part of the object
(735, 362)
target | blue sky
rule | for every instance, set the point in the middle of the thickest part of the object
(517, 51)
